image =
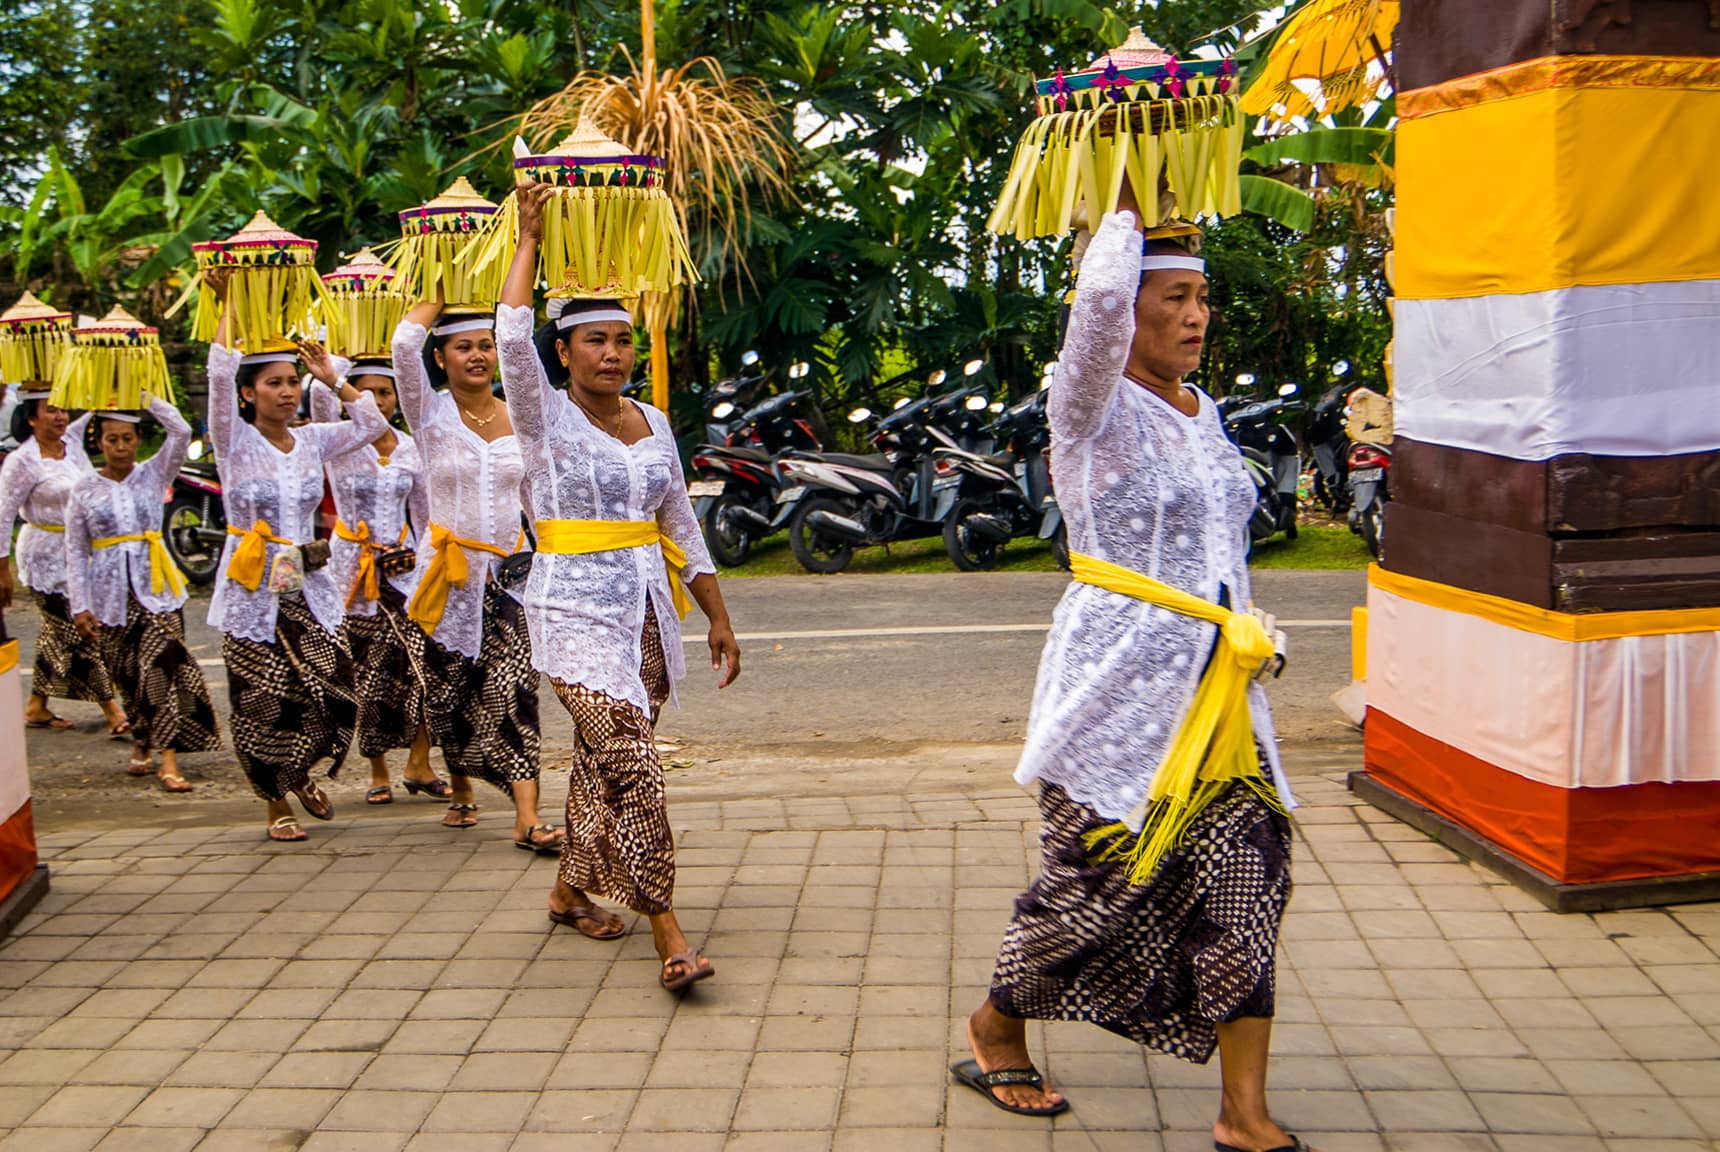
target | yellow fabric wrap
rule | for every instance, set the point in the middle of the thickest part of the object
(368, 584)
(1557, 188)
(581, 537)
(447, 569)
(163, 572)
(46, 527)
(1557, 625)
(1557, 72)
(246, 567)
(1214, 745)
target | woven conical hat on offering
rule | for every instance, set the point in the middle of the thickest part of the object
(33, 336)
(271, 288)
(610, 227)
(361, 307)
(1138, 111)
(437, 244)
(115, 364)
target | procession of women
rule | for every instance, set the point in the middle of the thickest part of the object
(489, 539)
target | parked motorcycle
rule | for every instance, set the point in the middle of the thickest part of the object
(1273, 461)
(1329, 445)
(1007, 494)
(194, 522)
(1370, 427)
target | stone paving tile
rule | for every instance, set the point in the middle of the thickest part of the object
(387, 988)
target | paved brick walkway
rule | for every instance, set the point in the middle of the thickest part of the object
(393, 986)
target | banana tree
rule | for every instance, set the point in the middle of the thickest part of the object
(1295, 168)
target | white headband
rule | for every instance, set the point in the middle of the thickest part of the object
(470, 324)
(370, 370)
(595, 316)
(124, 417)
(26, 397)
(269, 358)
(1173, 263)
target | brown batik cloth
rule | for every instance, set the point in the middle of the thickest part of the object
(1165, 963)
(388, 658)
(619, 843)
(68, 664)
(292, 704)
(166, 697)
(483, 713)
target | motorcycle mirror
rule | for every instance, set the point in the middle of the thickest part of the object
(749, 358)
(972, 367)
(935, 378)
(901, 402)
(1288, 389)
(859, 415)
(723, 411)
(194, 450)
(1245, 379)
(976, 403)
(798, 369)
(1340, 368)
(996, 408)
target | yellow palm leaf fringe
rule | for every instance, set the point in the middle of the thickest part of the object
(434, 255)
(30, 350)
(361, 308)
(272, 285)
(625, 240)
(115, 365)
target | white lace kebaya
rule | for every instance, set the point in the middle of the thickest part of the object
(98, 580)
(1163, 494)
(474, 485)
(586, 612)
(379, 495)
(284, 489)
(38, 487)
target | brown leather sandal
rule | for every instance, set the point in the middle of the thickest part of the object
(578, 919)
(695, 968)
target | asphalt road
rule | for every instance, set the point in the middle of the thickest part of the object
(849, 682)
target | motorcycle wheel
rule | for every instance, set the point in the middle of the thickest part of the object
(968, 552)
(729, 542)
(1060, 546)
(1372, 524)
(182, 524)
(817, 552)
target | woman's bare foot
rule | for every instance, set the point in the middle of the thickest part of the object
(1000, 1041)
(1252, 1137)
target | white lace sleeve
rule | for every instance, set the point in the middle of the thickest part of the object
(337, 439)
(74, 442)
(170, 457)
(223, 400)
(1101, 326)
(325, 403)
(78, 551)
(17, 477)
(675, 515)
(416, 396)
(528, 389)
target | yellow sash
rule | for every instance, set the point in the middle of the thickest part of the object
(1214, 744)
(447, 568)
(246, 567)
(367, 582)
(163, 572)
(46, 527)
(581, 537)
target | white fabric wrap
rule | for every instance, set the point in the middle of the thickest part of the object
(36, 489)
(1163, 494)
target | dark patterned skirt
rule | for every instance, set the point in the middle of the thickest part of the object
(292, 706)
(1162, 964)
(388, 661)
(619, 843)
(483, 713)
(166, 697)
(68, 664)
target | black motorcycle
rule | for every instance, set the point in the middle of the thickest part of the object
(1270, 454)
(194, 522)
(1329, 445)
(1007, 494)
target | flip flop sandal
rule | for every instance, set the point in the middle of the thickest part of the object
(382, 795)
(317, 804)
(578, 918)
(1295, 1145)
(695, 968)
(550, 847)
(437, 789)
(287, 824)
(57, 723)
(467, 820)
(967, 1072)
(173, 782)
(139, 766)
(120, 731)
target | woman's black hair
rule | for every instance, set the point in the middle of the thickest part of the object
(544, 341)
(364, 366)
(93, 432)
(21, 430)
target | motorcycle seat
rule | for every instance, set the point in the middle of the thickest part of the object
(875, 463)
(1003, 460)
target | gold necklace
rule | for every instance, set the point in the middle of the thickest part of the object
(477, 420)
(620, 415)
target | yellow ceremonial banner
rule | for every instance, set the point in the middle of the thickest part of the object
(1558, 625)
(1558, 188)
(1570, 72)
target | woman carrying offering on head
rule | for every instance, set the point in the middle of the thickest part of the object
(618, 551)
(279, 610)
(481, 691)
(383, 505)
(1165, 861)
(128, 596)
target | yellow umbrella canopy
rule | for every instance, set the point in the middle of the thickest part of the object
(1330, 42)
